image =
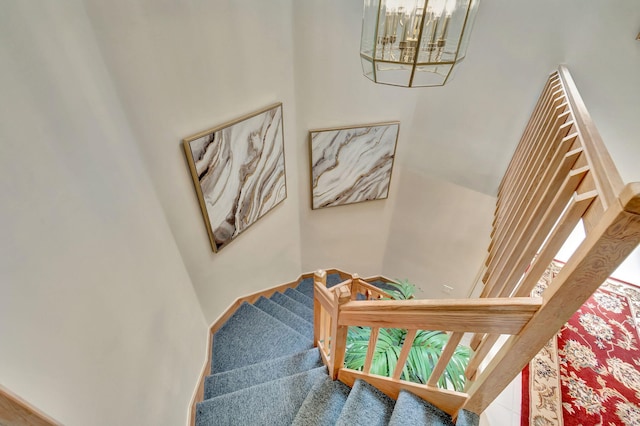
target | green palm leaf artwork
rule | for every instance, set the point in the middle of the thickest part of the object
(423, 356)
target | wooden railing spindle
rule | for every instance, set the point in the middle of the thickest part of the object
(404, 353)
(371, 349)
(481, 353)
(338, 334)
(445, 357)
(320, 277)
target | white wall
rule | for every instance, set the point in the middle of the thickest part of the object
(332, 92)
(393, 236)
(474, 123)
(182, 67)
(438, 236)
(603, 56)
(99, 323)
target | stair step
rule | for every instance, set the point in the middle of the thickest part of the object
(297, 296)
(251, 336)
(273, 403)
(365, 406)
(286, 316)
(323, 404)
(382, 285)
(411, 409)
(294, 306)
(333, 280)
(467, 418)
(306, 287)
(273, 369)
(265, 371)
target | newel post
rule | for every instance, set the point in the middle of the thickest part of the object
(355, 286)
(338, 333)
(320, 277)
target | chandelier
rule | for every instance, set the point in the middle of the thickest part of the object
(414, 43)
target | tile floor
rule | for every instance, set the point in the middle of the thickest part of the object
(505, 410)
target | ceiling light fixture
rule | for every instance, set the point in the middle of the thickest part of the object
(414, 43)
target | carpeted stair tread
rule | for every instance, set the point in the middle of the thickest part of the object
(294, 306)
(250, 336)
(273, 403)
(323, 404)
(365, 406)
(382, 285)
(412, 410)
(306, 287)
(286, 316)
(265, 371)
(333, 280)
(467, 418)
(255, 374)
(299, 297)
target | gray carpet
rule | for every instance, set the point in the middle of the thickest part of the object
(413, 410)
(306, 286)
(272, 403)
(265, 371)
(323, 404)
(283, 314)
(366, 406)
(294, 306)
(245, 377)
(299, 297)
(251, 336)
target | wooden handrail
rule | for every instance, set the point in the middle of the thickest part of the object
(608, 180)
(335, 312)
(368, 290)
(529, 228)
(617, 235)
(560, 174)
(504, 316)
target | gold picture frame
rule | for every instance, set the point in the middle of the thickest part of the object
(238, 170)
(352, 164)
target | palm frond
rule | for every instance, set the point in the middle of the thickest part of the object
(423, 356)
(404, 290)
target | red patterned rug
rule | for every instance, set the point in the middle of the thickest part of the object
(589, 374)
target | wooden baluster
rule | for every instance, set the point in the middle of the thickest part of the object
(323, 341)
(373, 341)
(404, 353)
(601, 252)
(445, 357)
(481, 353)
(476, 340)
(326, 330)
(338, 334)
(320, 277)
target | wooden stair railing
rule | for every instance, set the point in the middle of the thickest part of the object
(336, 311)
(561, 175)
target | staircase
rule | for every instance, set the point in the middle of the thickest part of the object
(266, 371)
